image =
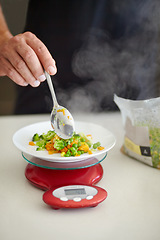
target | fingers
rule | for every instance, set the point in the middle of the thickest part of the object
(20, 66)
(42, 52)
(12, 73)
(28, 65)
(23, 59)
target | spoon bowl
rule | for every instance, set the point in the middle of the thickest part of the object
(61, 119)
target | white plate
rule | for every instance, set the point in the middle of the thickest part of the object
(24, 135)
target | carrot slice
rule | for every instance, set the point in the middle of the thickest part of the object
(100, 148)
(32, 143)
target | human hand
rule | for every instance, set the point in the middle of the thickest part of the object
(23, 58)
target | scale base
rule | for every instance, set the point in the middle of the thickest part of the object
(46, 179)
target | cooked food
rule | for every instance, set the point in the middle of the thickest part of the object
(74, 146)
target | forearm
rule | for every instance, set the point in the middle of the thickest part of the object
(4, 30)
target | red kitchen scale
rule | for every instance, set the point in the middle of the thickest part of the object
(67, 182)
(67, 185)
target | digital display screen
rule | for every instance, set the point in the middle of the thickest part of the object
(75, 191)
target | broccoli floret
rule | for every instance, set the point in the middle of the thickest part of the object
(35, 137)
(59, 144)
(40, 149)
(41, 143)
(49, 135)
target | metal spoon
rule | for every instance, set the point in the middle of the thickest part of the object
(61, 119)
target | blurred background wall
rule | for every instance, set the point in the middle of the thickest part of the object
(15, 14)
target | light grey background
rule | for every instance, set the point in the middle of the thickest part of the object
(15, 14)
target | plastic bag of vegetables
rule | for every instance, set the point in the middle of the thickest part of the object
(141, 120)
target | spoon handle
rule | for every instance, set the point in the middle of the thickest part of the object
(49, 81)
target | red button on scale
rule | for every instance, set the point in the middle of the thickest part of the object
(74, 196)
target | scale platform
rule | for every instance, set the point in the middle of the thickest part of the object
(46, 175)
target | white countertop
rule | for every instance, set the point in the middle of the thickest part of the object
(131, 210)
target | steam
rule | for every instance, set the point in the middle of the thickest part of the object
(127, 66)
